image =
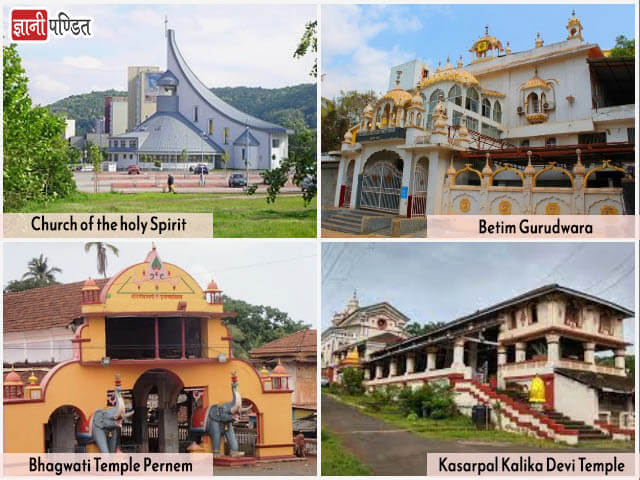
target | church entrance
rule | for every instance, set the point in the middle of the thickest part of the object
(382, 182)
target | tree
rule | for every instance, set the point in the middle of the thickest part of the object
(624, 47)
(255, 325)
(39, 271)
(351, 379)
(414, 329)
(101, 251)
(35, 152)
(309, 41)
(338, 115)
(225, 159)
(27, 284)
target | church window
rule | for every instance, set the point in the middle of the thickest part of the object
(472, 100)
(211, 126)
(195, 113)
(486, 108)
(532, 103)
(455, 95)
(497, 112)
(226, 135)
(275, 143)
(244, 154)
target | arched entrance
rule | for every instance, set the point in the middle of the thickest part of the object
(162, 411)
(60, 430)
(382, 182)
(247, 429)
(348, 184)
(420, 179)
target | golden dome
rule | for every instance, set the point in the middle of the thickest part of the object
(416, 100)
(398, 95)
(32, 378)
(451, 75)
(574, 20)
(536, 82)
(368, 110)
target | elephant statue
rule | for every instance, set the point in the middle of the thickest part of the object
(218, 421)
(103, 427)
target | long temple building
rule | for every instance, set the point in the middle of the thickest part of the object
(164, 340)
(192, 125)
(551, 336)
(549, 130)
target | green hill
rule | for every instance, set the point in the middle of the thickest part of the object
(272, 104)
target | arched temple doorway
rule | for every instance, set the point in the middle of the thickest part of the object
(420, 179)
(382, 182)
(60, 430)
(348, 184)
(162, 411)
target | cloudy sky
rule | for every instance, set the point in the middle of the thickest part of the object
(439, 282)
(225, 45)
(279, 274)
(360, 43)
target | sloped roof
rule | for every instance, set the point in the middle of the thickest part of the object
(246, 138)
(599, 381)
(213, 100)
(302, 342)
(172, 132)
(41, 308)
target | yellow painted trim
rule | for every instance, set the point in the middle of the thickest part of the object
(467, 168)
(548, 169)
(503, 169)
(606, 165)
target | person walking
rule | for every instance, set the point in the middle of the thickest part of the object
(202, 176)
(170, 181)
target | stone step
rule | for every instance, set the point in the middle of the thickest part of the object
(346, 221)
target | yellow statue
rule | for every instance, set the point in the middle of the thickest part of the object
(537, 390)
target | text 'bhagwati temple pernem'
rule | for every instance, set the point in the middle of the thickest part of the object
(548, 130)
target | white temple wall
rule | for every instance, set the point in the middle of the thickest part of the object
(566, 391)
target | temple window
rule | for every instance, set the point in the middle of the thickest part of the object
(472, 123)
(455, 95)
(195, 113)
(606, 325)
(532, 103)
(433, 101)
(497, 112)
(534, 313)
(572, 315)
(275, 143)
(472, 100)
(513, 320)
(486, 108)
(524, 143)
(455, 117)
(550, 141)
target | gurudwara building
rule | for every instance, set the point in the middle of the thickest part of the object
(192, 125)
(549, 130)
(152, 370)
(538, 356)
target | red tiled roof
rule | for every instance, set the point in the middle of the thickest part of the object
(41, 308)
(303, 342)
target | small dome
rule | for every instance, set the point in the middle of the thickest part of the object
(416, 100)
(452, 75)
(536, 82)
(168, 79)
(280, 370)
(32, 378)
(12, 377)
(212, 287)
(90, 284)
(398, 96)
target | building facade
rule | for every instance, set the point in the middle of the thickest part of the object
(555, 336)
(542, 131)
(359, 331)
(191, 121)
(164, 340)
(141, 94)
(115, 115)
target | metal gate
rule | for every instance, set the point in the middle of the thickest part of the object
(381, 187)
(348, 184)
(419, 198)
(247, 439)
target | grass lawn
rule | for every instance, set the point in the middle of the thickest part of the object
(234, 215)
(461, 427)
(336, 460)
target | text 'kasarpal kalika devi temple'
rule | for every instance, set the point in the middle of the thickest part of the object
(152, 371)
(548, 130)
(535, 355)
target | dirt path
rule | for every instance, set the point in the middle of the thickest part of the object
(389, 451)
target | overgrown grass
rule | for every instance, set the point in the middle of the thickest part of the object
(460, 427)
(234, 215)
(336, 460)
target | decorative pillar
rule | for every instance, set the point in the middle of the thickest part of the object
(521, 352)
(502, 355)
(342, 168)
(458, 353)
(378, 370)
(407, 170)
(589, 348)
(619, 358)
(393, 367)
(411, 363)
(431, 358)
(553, 348)
(473, 355)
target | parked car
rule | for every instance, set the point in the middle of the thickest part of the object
(201, 167)
(237, 180)
(307, 183)
(133, 170)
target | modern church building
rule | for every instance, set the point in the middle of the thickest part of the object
(548, 130)
(192, 125)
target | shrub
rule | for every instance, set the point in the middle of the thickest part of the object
(432, 401)
(352, 381)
